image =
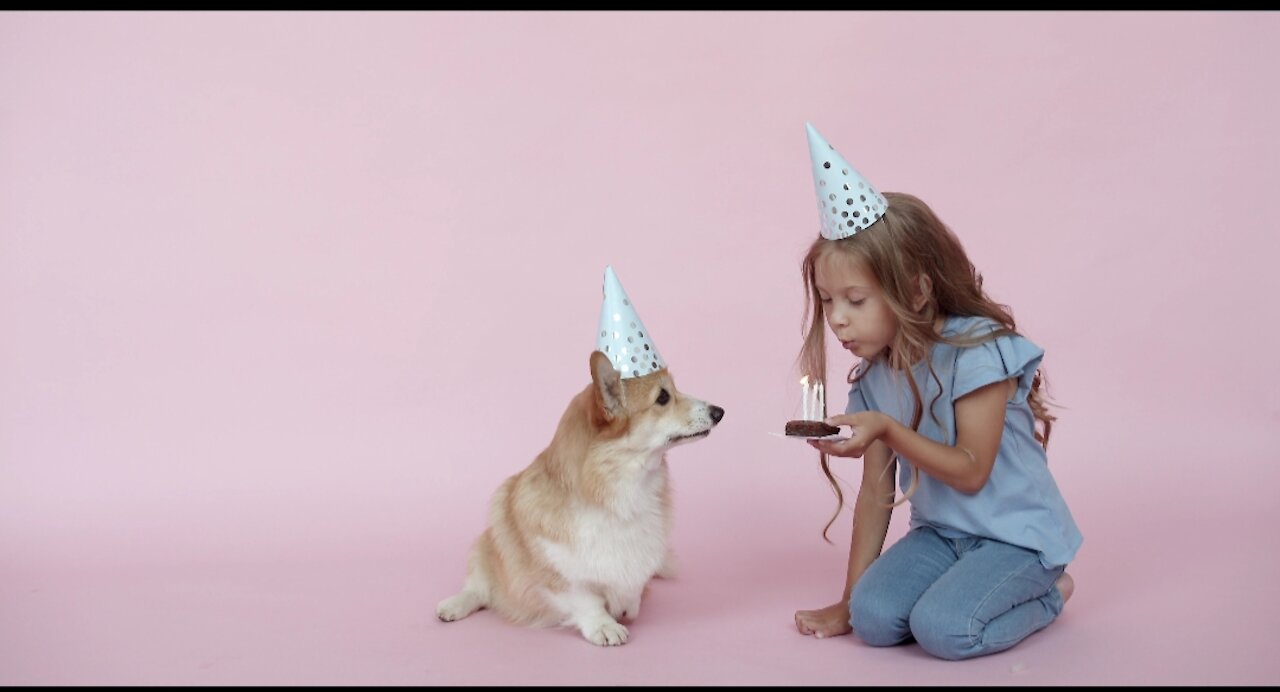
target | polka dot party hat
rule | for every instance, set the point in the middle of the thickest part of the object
(846, 201)
(622, 336)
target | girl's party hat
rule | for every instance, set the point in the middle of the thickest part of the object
(622, 336)
(846, 201)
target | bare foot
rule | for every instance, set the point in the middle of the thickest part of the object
(831, 621)
(1066, 585)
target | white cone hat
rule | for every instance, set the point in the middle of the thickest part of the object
(622, 336)
(847, 203)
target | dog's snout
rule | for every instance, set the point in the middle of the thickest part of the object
(716, 414)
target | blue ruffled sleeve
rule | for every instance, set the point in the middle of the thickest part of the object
(857, 399)
(996, 361)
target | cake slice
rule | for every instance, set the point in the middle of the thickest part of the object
(810, 428)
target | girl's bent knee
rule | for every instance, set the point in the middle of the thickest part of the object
(942, 636)
(875, 624)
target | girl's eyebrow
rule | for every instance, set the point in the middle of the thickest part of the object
(851, 287)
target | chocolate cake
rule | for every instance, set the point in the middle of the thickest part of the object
(810, 428)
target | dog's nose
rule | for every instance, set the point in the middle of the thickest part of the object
(716, 414)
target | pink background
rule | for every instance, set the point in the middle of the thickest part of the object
(284, 297)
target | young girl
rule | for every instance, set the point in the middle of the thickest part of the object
(950, 393)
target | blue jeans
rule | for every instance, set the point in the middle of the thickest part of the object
(958, 598)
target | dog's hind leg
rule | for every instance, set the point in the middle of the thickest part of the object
(473, 597)
(460, 605)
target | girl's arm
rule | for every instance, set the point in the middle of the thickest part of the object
(966, 466)
(871, 513)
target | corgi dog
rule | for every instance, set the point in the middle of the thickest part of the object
(574, 537)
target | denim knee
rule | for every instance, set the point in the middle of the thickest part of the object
(875, 621)
(943, 634)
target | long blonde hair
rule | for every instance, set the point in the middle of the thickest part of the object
(907, 242)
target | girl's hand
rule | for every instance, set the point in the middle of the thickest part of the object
(868, 426)
(831, 621)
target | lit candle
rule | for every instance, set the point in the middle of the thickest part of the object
(804, 400)
(822, 402)
(817, 401)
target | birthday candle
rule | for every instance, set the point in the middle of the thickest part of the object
(822, 402)
(804, 400)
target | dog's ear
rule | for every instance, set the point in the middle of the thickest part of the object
(608, 385)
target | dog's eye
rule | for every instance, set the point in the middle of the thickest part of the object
(663, 397)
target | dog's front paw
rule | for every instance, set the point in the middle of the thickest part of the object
(607, 634)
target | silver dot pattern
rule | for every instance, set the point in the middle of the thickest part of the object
(857, 207)
(623, 336)
(841, 223)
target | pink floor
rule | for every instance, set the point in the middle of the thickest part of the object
(285, 296)
(1155, 605)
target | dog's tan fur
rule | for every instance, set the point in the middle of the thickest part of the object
(575, 536)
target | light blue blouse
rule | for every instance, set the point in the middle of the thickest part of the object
(1020, 504)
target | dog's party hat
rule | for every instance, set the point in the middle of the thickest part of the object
(622, 336)
(846, 201)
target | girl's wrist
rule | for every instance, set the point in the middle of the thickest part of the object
(885, 424)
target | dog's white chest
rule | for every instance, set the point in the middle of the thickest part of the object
(612, 549)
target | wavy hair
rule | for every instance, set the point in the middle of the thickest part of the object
(908, 242)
